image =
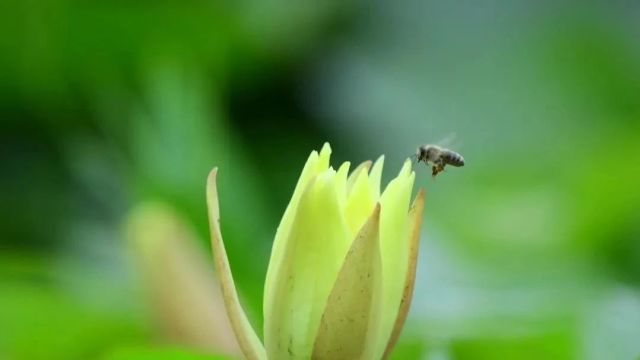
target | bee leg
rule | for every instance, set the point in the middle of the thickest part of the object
(437, 168)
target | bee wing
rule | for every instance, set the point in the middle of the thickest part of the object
(449, 141)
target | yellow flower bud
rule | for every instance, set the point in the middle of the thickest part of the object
(342, 266)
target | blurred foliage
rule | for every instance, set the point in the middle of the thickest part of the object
(159, 354)
(65, 317)
(530, 251)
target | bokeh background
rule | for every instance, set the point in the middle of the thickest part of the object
(113, 112)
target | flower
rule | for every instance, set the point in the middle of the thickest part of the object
(179, 283)
(342, 266)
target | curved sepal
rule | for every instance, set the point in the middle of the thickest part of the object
(394, 248)
(349, 311)
(415, 224)
(249, 342)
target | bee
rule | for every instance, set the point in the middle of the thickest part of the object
(438, 157)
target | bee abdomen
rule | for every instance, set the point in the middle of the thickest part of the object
(453, 158)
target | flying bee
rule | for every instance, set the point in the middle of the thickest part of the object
(438, 157)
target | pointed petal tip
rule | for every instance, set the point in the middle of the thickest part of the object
(212, 194)
(375, 215)
(376, 175)
(346, 164)
(326, 148)
(419, 199)
(376, 212)
(343, 172)
(353, 176)
(324, 157)
(374, 218)
(406, 168)
(378, 164)
(212, 175)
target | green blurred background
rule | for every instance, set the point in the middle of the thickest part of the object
(531, 251)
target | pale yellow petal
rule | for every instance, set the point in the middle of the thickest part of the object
(314, 165)
(394, 240)
(325, 156)
(415, 223)
(349, 310)
(360, 203)
(317, 244)
(249, 342)
(365, 166)
(376, 176)
(406, 168)
(341, 183)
